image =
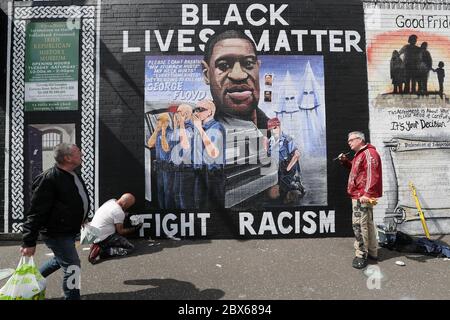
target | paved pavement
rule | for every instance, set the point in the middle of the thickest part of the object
(254, 269)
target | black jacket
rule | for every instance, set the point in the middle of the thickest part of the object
(56, 207)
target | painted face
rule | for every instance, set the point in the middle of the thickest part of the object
(276, 131)
(204, 109)
(184, 111)
(202, 113)
(233, 74)
(164, 120)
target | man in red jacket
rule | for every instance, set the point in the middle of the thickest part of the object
(364, 187)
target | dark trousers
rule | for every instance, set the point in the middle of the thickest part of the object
(183, 187)
(164, 181)
(215, 184)
(200, 189)
(423, 83)
(411, 80)
(398, 88)
(114, 241)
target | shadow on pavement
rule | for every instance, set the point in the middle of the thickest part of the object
(160, 289)
(144, 247)
(385, 254)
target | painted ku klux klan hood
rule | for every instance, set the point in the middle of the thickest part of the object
(288, 98)
(304, 96)
(308, 97)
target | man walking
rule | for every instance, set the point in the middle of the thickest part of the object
(364, 186)
(59, 206)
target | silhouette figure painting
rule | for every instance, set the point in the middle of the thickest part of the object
(397, 72)
(440, 75)
(411, 57)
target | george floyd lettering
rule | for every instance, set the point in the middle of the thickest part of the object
(255, 15)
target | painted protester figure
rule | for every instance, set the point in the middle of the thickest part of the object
(181, 158)
(209, 156)
(161, 141)
(291, 189)
(397, 72)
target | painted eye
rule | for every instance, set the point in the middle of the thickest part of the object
(249, 64)
(223, 66)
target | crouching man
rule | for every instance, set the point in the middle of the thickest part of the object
(109, 220)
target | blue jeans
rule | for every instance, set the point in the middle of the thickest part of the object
(65, 256)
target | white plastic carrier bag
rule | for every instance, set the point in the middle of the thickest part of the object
(26, 283)
(88, 234)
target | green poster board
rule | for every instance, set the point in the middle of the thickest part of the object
(51, 66)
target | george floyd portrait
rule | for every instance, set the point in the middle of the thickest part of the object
(232, 70)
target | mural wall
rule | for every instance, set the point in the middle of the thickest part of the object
(407, 54)
(236, 139)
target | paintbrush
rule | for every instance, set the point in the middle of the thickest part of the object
(342, 154)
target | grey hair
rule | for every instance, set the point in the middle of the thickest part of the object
(62, 150)
(358, 134)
